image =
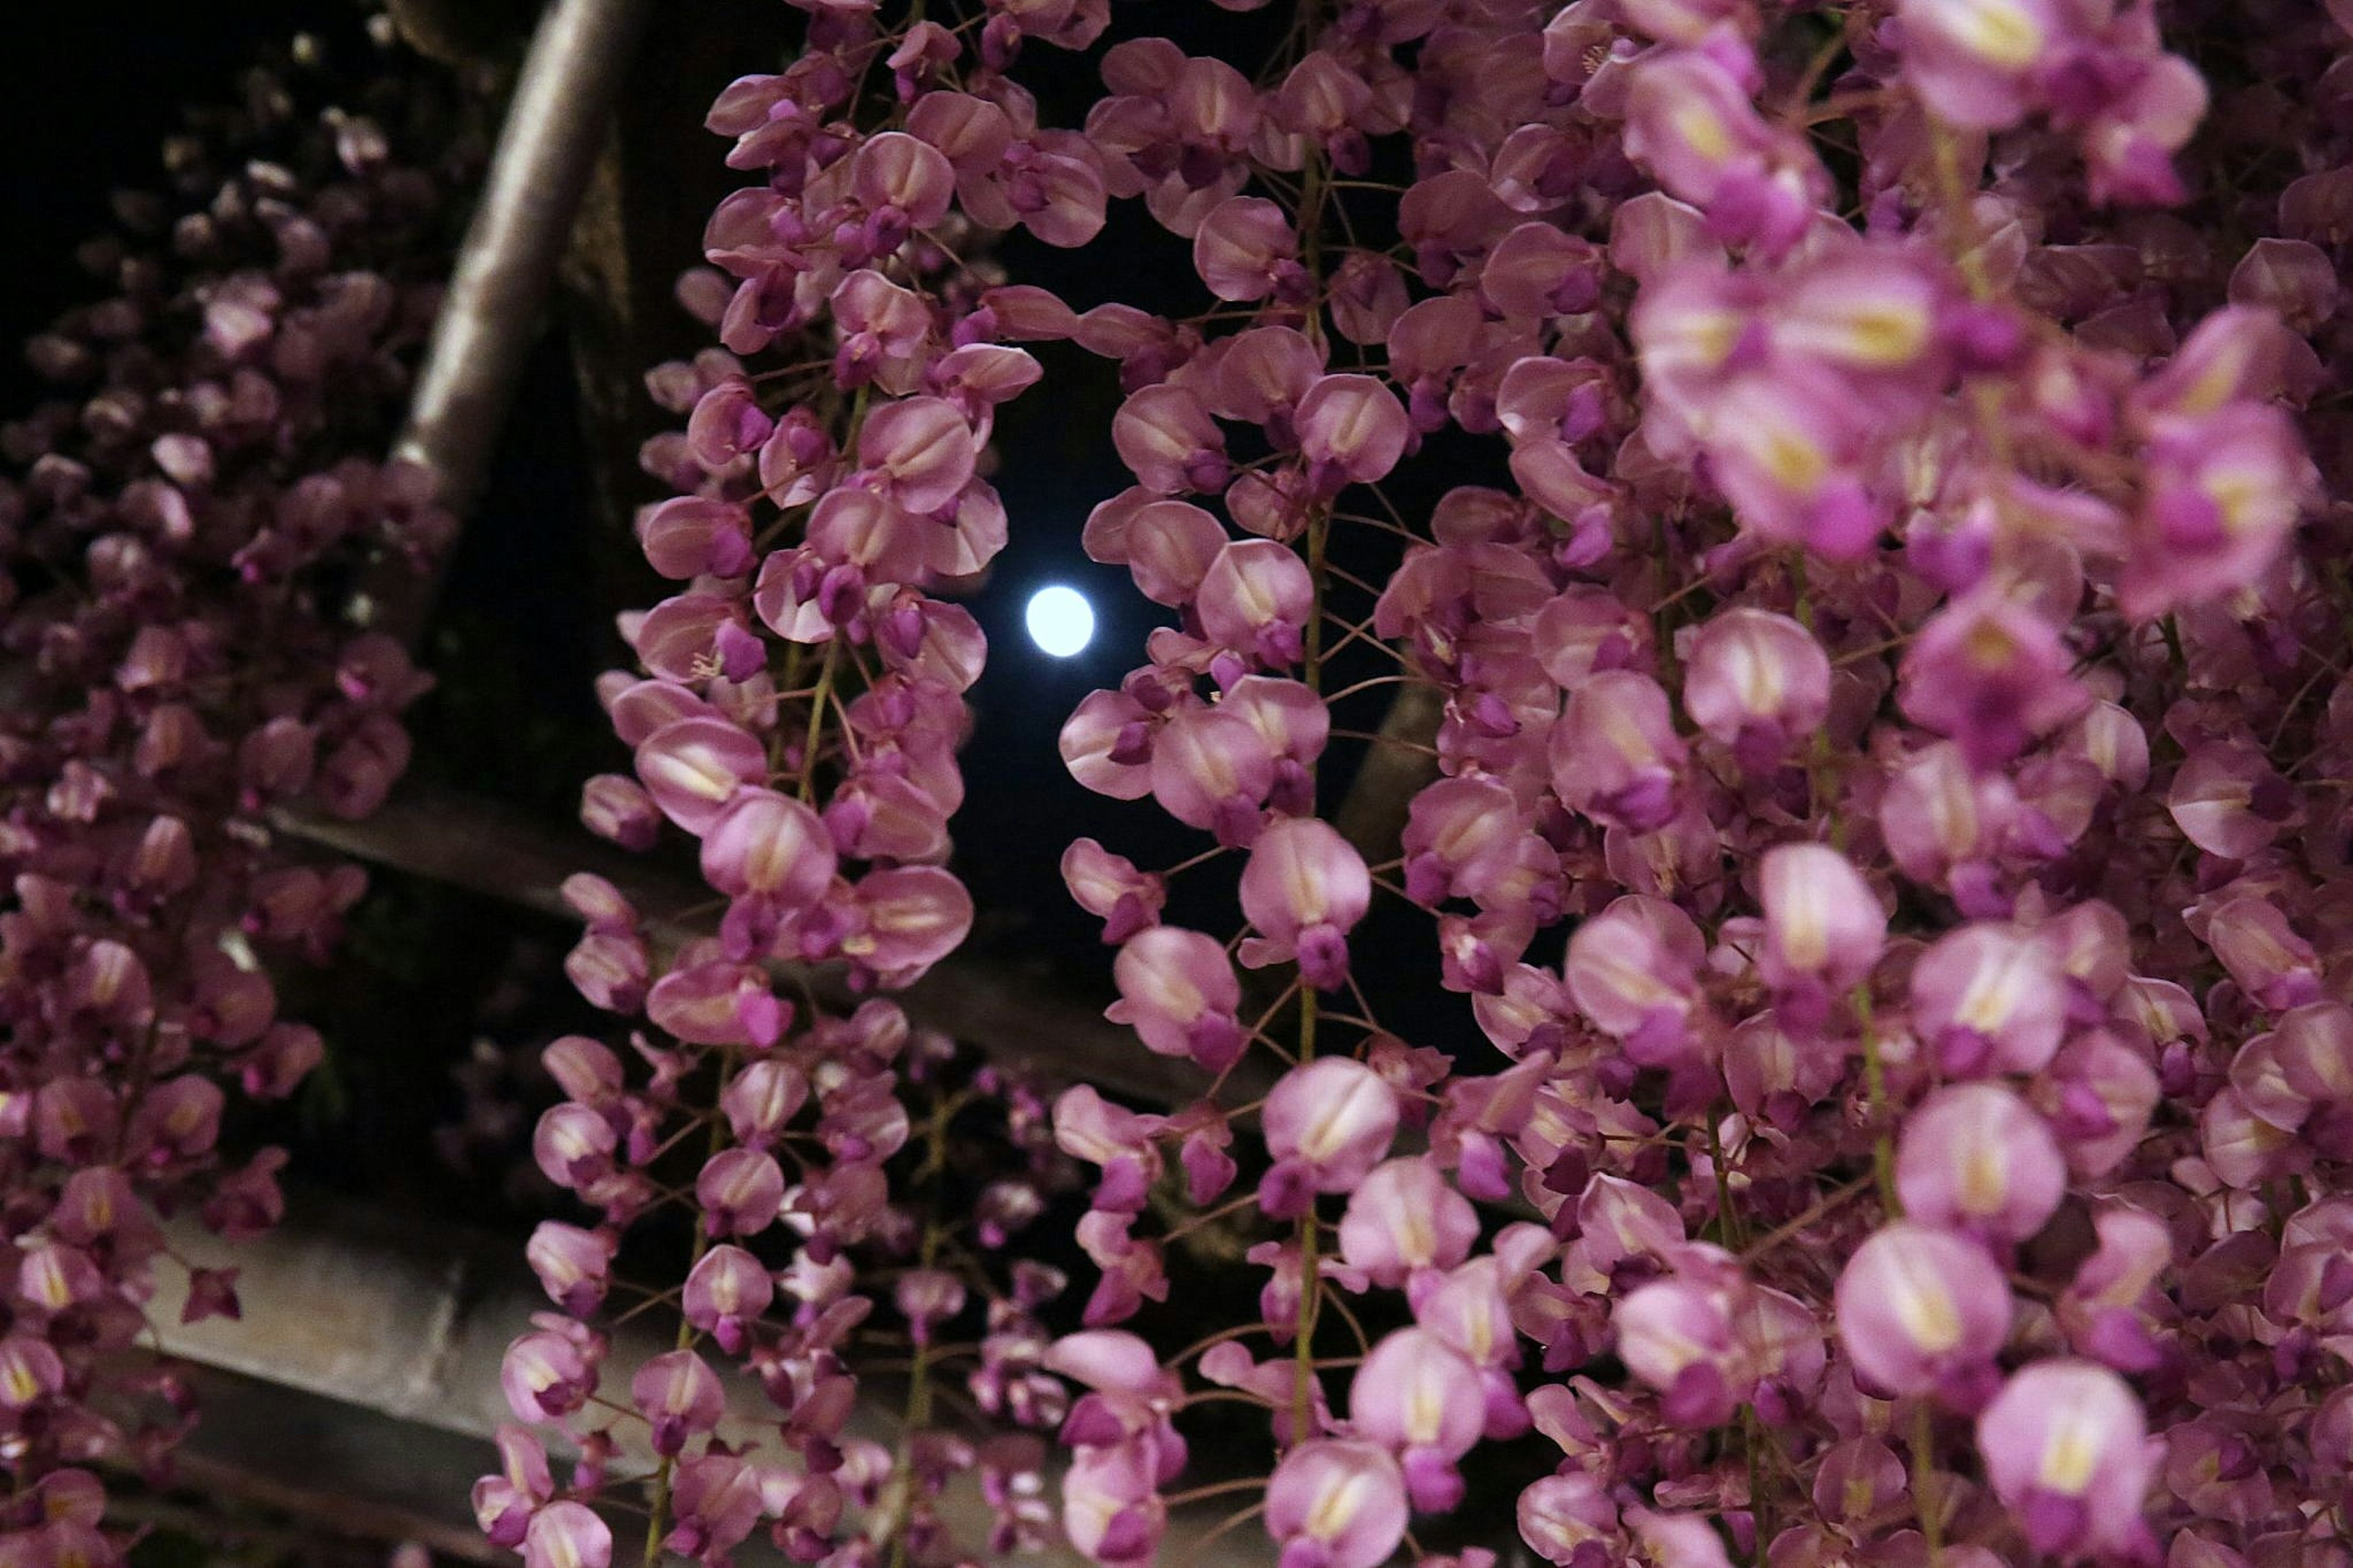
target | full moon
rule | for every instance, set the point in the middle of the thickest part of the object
(1061, 621)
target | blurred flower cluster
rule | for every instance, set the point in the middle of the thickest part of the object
(182, 521)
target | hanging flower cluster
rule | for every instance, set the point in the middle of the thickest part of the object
(1900, 646)
(797, 710)
(182, 522)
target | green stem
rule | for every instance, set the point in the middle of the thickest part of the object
(817, 703)
(1875, 1080)
(1311, 1279)
(917, 1414)
(657, 1516)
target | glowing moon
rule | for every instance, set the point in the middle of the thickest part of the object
(1061, 621)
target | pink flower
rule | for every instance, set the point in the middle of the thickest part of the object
(1824, 925)
(1784, 448)
(1255, 599)
(1326, 1124)
(1088, 1127)
(1179, 994)
(1168, 441)
(1974, 61)
(1922, 1309)
(2272, 962)
(1559, 1516)
(1212, 769)
(727, 1292)
(1633, 969)
(567, 1535)
(679, 1396)
(772, 855)
(1304, 887)
(505, 1503)
(918, 452)
(1333, 1504)
(1408, 1396)
(1167, 545)
(573, 1264)
(1975, 1157)
(1990, 998)
(544, 1376)
(1111, 886)
(1678, 1336)
(2065, 1447)
(1692, 125)
(1351, 429)
(1757, 682)
(1615, 755)
(692, 766)
(1405, 1217)
(1992, 674)
(1944, 825)
(906, 919)
(740, 1191)
(1245, 250)
(1461, 837)
(2224, 491)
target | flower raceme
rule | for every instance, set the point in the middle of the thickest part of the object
(1882, 661)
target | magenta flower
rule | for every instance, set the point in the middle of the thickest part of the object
(1179, 992)
(1403, 1217)
(1304, 889)
(2065, 1447)
(1990, 673)
(566, 1535)
(1327, 1124)
(1756, 682)
(1990, 998)
(1824, 925)
(1615, 755)
(1976, 1158)
(1921, 1309)
(1333, 1504)
(1409, 1397)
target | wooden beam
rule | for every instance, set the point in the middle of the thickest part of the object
(556, 124)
